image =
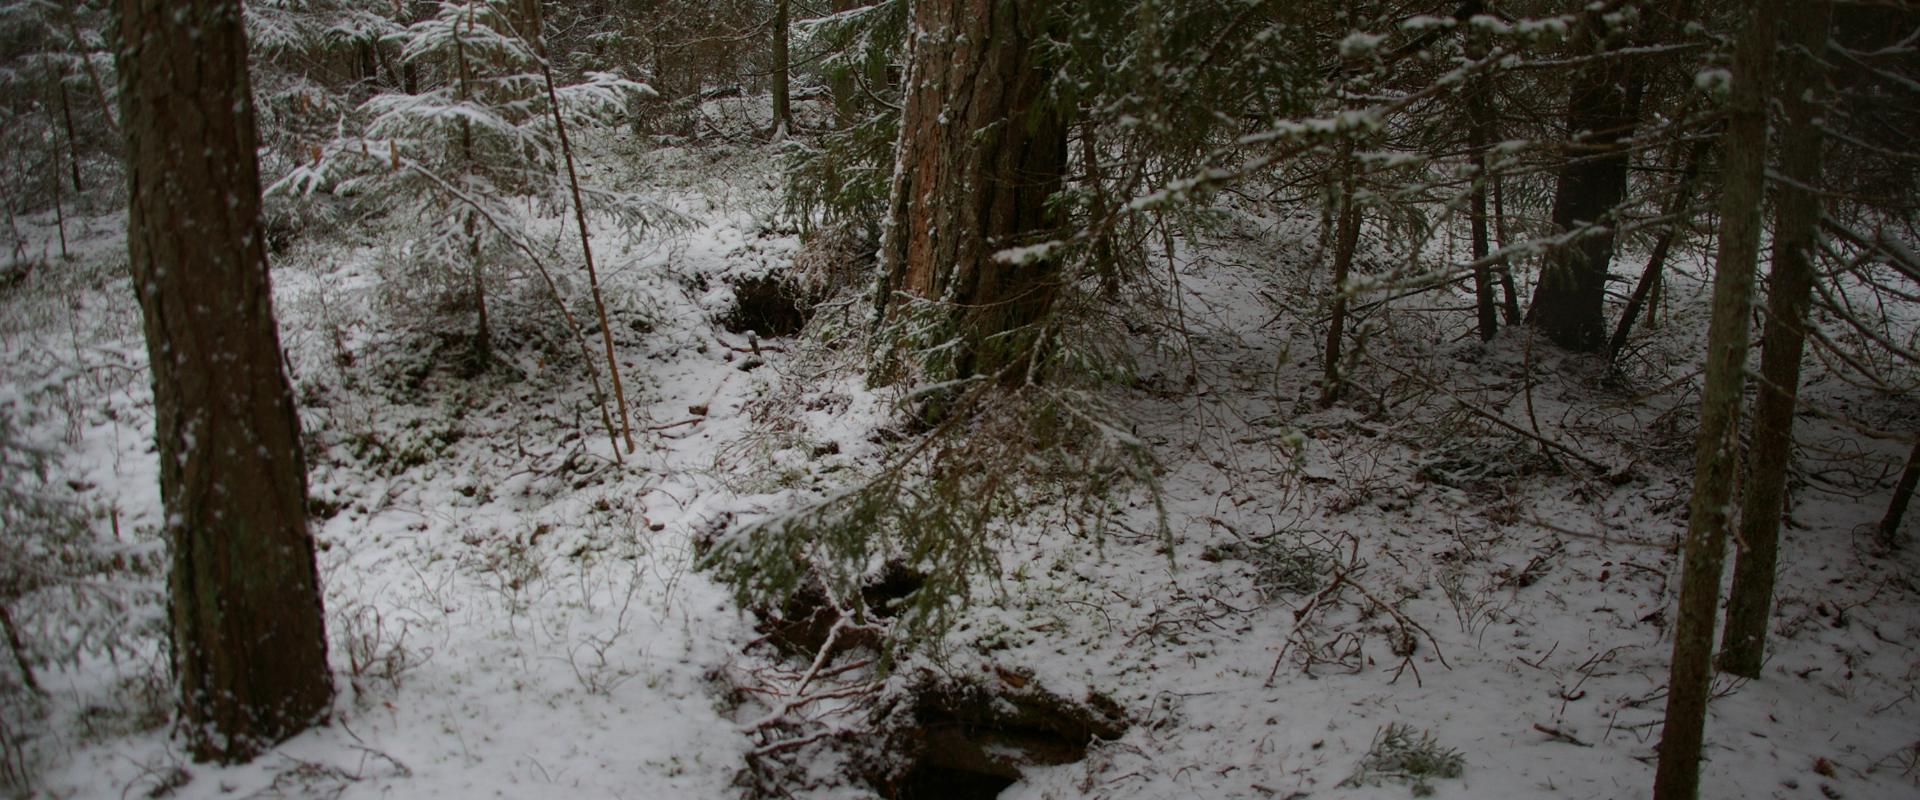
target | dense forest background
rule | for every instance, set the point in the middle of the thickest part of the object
(959, 398)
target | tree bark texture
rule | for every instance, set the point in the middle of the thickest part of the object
(981, 149)
(248, 634)
(1797, 210)
(1717, 450)
(1570, 302)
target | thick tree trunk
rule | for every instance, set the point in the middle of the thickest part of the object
(249, 639)
(981, 149)
(1717, 450)
(1569, 303)
(1797, 210)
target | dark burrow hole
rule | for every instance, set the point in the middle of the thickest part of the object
(939, 783)
(770, 306)
(969, 741)
(803, 623)
(946, 738)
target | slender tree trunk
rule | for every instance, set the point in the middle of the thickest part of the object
(586, 246)
(782, 73)
(369, 65)
(1509, 295)
(59, 205)
(249, 637)
(1104, 263)
(1651, 277)
(71, 18)
(1797, 210)
(1717, 451)
(842, 82)
(981, 149)
(59, 208)
(73, 142)
(483, 329)
(385, 75)
(482, 353)
(19, 651)
(1347, 241)
(1902, 493)
(1480, 133)
(1569, 303)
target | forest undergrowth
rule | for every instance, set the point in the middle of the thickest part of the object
(1182, 574)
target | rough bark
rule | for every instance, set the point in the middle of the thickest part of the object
(1717, 448)
(1569, 303)
(249, 640)
(981, 150)
(1797, 210)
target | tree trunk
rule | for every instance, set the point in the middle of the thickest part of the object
(981, 149)
(1480, 134)
(249, 638)
(73, 142)
(1797, 212)
(1347, 240)
(782, 77)
(1509, 295)
(1569, 303)
(1902, 493)
(1718, 447)
(1105, 264)
(1652, 276)
(844, 81)
(481, 354)
(19, 651)
(580, 223)
(53, 167)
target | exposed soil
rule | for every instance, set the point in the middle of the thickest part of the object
(962, 740)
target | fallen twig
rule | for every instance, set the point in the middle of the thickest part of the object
(1559, 735)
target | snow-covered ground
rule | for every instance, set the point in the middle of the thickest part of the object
(514, 613)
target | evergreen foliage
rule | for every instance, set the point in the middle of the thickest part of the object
(463, 155)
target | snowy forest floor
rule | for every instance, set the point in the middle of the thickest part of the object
(515, 614)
